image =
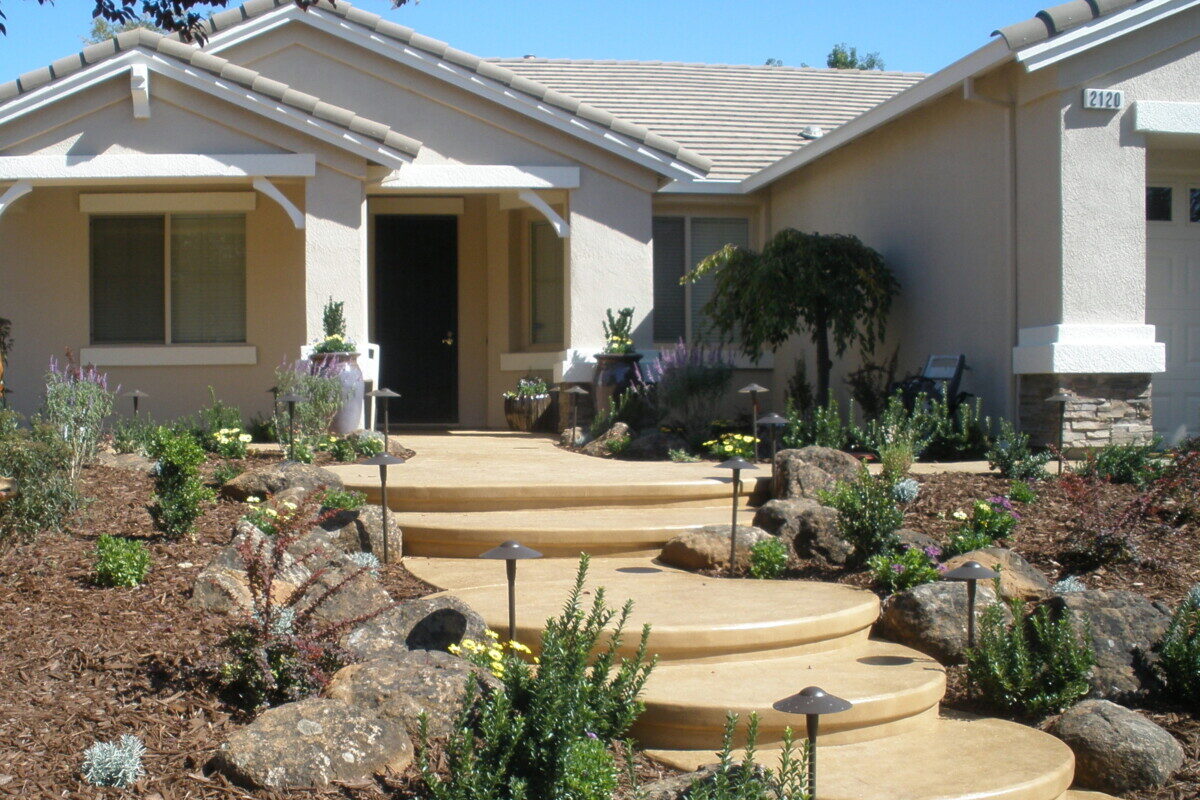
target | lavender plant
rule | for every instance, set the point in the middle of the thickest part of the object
(117, 764)
(317, 382)
(690, 380)
(77, 401)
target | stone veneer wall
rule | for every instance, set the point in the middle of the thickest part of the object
(1106, 409)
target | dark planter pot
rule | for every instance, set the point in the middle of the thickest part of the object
(527, 413)
(613, 376)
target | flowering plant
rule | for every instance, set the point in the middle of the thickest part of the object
(529, 387)
(268, 518)
(231, 442)
(617, 332)
(77, 401)
(490, 653)
(333, 320)
(910, 567)
(991, 520)
(732, 445)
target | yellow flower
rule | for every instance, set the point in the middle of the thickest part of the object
(491, 634)
(520, 648)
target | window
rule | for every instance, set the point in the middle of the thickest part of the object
(546, 284)
(204, 267)
(1158, 204)
(679, 244)
(1194, 202)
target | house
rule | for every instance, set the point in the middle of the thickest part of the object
(178, 215)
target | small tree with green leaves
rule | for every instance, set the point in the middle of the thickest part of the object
(830, 286)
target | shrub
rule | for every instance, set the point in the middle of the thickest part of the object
(1010, 454)
(367, 443)
(38, 461)
(768, 558)
(179, 491)
(517, 742)
(319, 384)
(117, 764)
(229, 442)
(1138, 464)
(745, 780)
(342, 500)
(991, 520)
(341, 449)
(905, 433)
(958, 435)
(906, 490)
(896, 459)
(618, 444)
(681, 456)
(280, 652)
(268, 516)
(867, 514)
(910, 567)
(869, 384)
(589, 771)
(216, 417)
(733, 445)
(1037, 665)
(1179, 652)
(133, 434)
(689, 382)
(262, 429)
(636, 407)
(225, 472)
(77, 402)
(1022, 492)
(1175, 494)
(121, 562)
(820, 425)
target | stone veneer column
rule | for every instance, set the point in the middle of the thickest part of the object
(1105, 409)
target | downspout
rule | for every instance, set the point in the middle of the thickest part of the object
(1010, 108)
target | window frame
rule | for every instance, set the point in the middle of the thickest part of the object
(530, 291)
(167, 297)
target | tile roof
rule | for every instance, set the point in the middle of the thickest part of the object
(742, 117)
(484, 68)
(226, 70)
(1058, 19)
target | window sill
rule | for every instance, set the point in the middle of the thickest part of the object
(170, 355)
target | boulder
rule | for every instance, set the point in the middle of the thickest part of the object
(220, 590)
(1117, 750)
(404, 686)
(134, 462)
(572, 437)
(313, 744)
(810, 529)
(654, 446)
(708, 547)
(429, 623)
(932, 618)
(1124, 628)
(296, 496)
(907, 537)
(677, 787)
(599, 445)
(362, 531)
(809, 470)
(1019, 580)
(315, 549)
(276, 478)
(358, 597)
(231, 558)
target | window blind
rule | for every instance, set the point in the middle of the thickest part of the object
(709, 235)
(546, 289)
(208, 278)
(127, 279)
(669, 260)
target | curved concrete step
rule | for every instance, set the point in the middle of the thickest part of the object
(952, 758)
(894, 689)
(555, 533)
(691, 616)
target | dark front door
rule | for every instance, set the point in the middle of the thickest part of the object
(416, 315)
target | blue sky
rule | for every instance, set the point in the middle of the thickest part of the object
(915, 35)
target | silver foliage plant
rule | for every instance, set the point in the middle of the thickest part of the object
(116, 763)
(1071, 583)
(368, 560)
(906, 490)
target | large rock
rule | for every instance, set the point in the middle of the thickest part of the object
(810, 529)
(708, 547)
(907, 537)
(220, 590)
(429, 623)
(134, 462)
(809, 470)
(264, 481)
(1124, 626)
(405, 686)
(599, 445)
(654, 446)
(230, 557)
(677, 787)
(362, 531)
(313, 744)
(932, 618)
(1019, 580)
(572, 437)
(356, 597)
(1117, 750)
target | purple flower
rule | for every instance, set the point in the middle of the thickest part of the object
(1000, 502)
(940, 567)
(591, 735)
(897, 568)
(933, 552)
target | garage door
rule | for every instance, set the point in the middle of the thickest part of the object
(1173, 301)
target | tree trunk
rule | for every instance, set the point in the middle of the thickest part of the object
(824, 364)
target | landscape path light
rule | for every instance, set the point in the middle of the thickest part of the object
(736, 464)
(753, 390)
(383, 461)
(1062, 398)
(774, 423)
(291, 400)
(385, 395)
(813, 702)
(576, 393)
(511, 552)
(972, 572)
(137, 395)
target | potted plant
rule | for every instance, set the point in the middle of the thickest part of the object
(616, 367)
(338, 355)
(527, 405)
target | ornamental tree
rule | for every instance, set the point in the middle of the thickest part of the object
(830, 286)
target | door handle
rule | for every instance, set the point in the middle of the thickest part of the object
(448, 339)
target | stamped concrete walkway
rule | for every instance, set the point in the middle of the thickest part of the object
(724, 645)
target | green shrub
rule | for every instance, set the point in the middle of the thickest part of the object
(1138, 464)
(229, 442)
(319, 384)
(821, 425)
(589, 771)
(179, 491)
(224, 472)
(40, 462)
(907, 433)
(77, 403)
(1179, 652)
(133, 434)
(868, 516)
(121, 562)
(1037, 665)
(1022, 492)
(896, 459)
(681, 456)
(618, 444)
(958, 435)
(745, 779)
(911, 566)
(991, 520)
(1011, 455)
(342, 500)
(217, 416)
(768, 558)
(732, 445)
(341, 449)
